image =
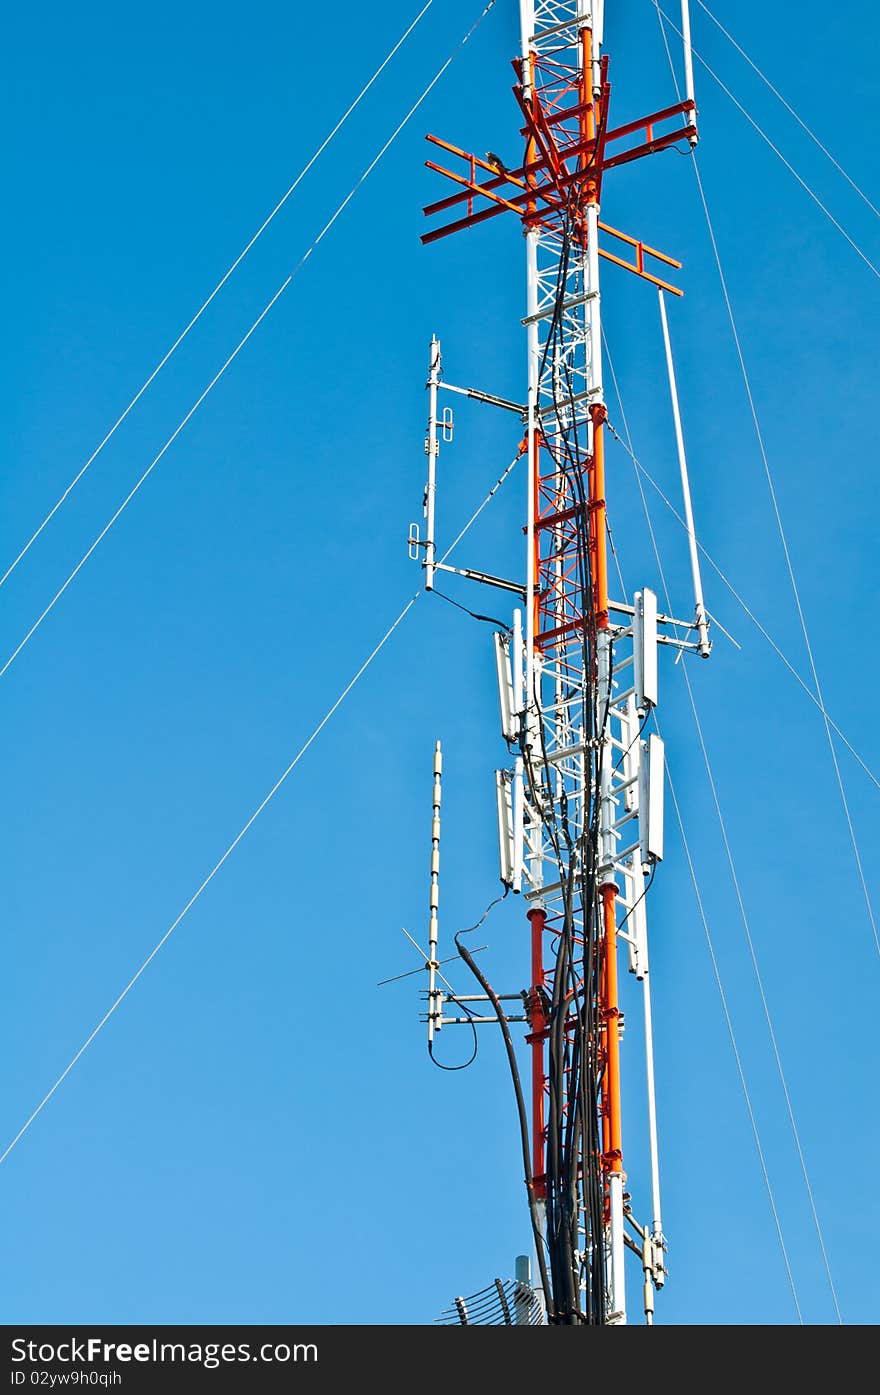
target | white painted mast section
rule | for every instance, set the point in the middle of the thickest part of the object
(432, 448)
(516, 667)
(640, 966)
(656, 1217)
(702, 621)
(532, 828)
(598, 20)
(688, 60)
(527, 822)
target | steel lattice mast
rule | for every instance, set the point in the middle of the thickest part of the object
(580, 809)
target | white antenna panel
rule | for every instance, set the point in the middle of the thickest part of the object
(506, 842)
(509, 723)
(651, 786)
(645, 649)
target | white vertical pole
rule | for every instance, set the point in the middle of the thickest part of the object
(702, 621)
(531, 433)
(516, 672)
(532, 836)
(657, 1224)
(598, 8)
(518, 813)
(516, 662)
(594, 304)
(617, 1247)
(434, 1006)
(432, 448)
(688, 60)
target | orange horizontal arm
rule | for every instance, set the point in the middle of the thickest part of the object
(640, 271)
(483, 164)
(637, 243)
(470, 185)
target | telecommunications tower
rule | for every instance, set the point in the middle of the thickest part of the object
(580, 797)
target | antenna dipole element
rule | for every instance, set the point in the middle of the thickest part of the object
(702, 621)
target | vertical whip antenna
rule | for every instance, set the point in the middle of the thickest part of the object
(688, 63)
(702, 622)
(432, 447)
(435, 995)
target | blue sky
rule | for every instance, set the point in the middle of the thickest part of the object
(257, 1135)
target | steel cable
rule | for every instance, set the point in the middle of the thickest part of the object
(742, 910)
(662, 15)
(759, 436)
(219, 286)
(790, 109)
(740, 600)
(281, 289)
(244, 829)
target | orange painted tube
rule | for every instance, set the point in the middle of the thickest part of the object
(637, 243)
(611, 1014)
(597, 517)
(536, 1038)
(604, 1109)
(588, 119)
(588, 116)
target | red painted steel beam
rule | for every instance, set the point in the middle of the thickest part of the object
(650, 147)
(553, 518)
(656, 116)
